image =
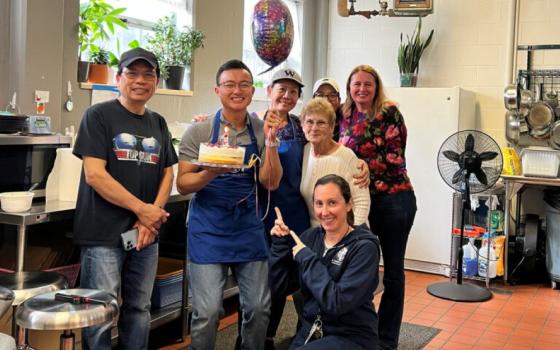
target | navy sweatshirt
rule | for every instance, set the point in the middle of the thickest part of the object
(338, 286)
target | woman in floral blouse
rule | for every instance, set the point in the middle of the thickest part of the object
(374, 129)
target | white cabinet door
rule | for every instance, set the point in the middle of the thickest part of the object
(431, 115)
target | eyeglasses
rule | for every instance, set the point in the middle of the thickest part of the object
(331, 96)
(231, 85)
(319, 123)
(133, 75)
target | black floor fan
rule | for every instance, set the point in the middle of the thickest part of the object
(469, 161)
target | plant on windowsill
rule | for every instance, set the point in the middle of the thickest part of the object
(174, 50)
(99, 66)
(97, 22)
(410, 53)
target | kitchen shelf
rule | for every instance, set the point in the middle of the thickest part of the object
(89, 86)
(172, 312)
(469, 218)
(530, 78)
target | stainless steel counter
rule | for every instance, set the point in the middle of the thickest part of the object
(49, 211)
(513, 185)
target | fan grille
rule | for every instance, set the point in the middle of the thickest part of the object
(482, 143)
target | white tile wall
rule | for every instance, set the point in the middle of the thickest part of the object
(469, 47)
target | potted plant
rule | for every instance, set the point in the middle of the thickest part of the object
(97, 21)
(99, 66)
(410, 53)
(174, 50)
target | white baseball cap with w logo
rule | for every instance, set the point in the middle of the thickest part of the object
(287, 74)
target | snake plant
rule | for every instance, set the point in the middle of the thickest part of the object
(411, 51)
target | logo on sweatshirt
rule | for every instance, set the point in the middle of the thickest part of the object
(135, 148)
(339, 256)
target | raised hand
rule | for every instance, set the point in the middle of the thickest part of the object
(272, 123)
(280, 229)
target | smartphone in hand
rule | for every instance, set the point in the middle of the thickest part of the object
(130, 239)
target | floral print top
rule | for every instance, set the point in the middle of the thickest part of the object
(380, 142)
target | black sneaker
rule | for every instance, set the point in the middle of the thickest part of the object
(238, 343)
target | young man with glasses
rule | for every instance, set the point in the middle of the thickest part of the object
(127, 176)
(224, 228)
(328, 88)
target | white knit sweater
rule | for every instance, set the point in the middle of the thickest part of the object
(342, 162)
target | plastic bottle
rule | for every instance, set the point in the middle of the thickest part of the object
(487, 260)
(470, 254)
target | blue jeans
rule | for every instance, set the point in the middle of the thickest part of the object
(391, 217)
(207, 283)
(110, 269)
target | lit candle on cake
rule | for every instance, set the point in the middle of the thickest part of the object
(225, 137)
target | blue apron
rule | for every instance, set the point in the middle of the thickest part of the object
(223, 225)
(288, 196)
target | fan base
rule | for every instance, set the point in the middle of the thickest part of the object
(459, 292)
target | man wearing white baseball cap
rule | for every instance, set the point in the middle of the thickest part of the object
(328, 88)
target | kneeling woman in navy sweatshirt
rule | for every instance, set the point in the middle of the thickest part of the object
(338, 272)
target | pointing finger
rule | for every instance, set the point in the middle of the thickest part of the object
(295, 237)
(278, 214)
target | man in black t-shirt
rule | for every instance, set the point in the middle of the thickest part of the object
(126, 180)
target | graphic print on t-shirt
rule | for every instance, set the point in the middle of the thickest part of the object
(136, 148)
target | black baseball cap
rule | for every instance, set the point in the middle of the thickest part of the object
(131, 56)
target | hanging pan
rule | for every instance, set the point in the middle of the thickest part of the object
(512, 127)
(554, 139)
(511, 98)
(526, 100)
(540, 119)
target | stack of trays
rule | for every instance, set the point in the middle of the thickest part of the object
(168, 285)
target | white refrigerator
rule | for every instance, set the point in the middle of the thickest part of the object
(431, 115)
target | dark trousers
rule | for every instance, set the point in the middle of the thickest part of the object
(391, 218)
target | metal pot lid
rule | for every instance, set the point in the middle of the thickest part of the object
(540, 116)
(30, 283)
(555, 135)
(511, 97)
(512, 127)
(526, 100)
(43, 312)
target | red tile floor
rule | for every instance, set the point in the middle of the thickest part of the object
(517, 317)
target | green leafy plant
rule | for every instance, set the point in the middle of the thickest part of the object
(97, 22)
(411, 51)
(99, 56)
(173, 47)
(115, 57)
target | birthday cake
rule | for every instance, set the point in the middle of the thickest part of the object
(221, 154)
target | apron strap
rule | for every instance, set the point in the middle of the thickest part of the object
(216, 129)
(217, 123)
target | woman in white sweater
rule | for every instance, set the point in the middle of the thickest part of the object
(323, 156)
